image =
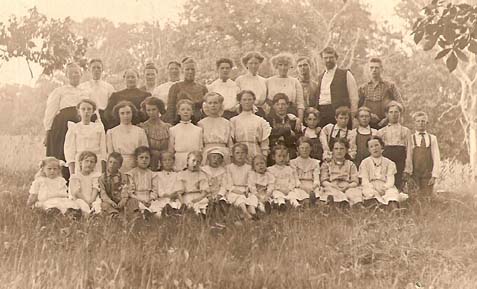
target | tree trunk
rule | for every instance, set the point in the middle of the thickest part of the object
(472, 145)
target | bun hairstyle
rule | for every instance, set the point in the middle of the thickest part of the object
(151, 100)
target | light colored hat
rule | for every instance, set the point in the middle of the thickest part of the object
(215, 150)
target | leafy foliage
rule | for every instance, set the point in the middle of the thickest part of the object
(453, 27)
(48, 42)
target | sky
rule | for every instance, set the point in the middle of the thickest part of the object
(130, 11)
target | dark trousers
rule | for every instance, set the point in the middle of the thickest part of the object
(423, 184)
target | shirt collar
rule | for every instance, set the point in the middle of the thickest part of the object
(419, 133)
(186, 121)
(331, 70)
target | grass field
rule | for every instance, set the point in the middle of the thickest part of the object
(428, 244)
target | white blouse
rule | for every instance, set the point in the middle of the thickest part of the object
(288, 85)
(124, 139)
(228, 89)
(99, 91)
(249, 128)
(81, 137)
(46, 188)
(256, 83)
(62, 97)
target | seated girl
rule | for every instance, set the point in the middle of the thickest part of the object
(237, 182)
(167, 185)
(339, 176)
(48, 191)
(84, 186)
(216, 173)
(287, 184)
(307, 169)
(377, 175)
(193, 185)
(261, 183)
(142, 182)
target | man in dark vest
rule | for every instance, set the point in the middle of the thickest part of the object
(336, 87)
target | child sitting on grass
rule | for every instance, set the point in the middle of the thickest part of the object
(261, 183)
(193, 185)
(377, 175)
(113, 188)
(237, 182)
(143, 182)
(307, 169)
(287, 184)
(216, 173)
(339, 176)
(48, 191)
(167, 185)
(84, 186)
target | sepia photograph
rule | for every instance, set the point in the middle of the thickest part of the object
(232, 144)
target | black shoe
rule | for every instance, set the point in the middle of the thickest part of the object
(312, 199)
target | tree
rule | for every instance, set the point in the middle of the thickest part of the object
(453, 27)
(48, 42)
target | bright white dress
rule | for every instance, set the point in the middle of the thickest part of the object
(166, 184)
(84, 190)
(217, 181)
(162, 91)
(261, 186)
(308, 172)
(52, 193)
(124, 139)
(81, 137)
(184, 138)
(191, 183)
(287, 186)
(252, 130)
(237, 186)
(217, 133)
(338, 174)
(377, 177)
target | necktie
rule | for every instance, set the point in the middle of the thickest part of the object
(338, 134)
(423, 140)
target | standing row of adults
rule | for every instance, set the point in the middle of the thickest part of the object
(333, 88)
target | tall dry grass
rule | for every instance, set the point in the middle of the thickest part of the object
(428, 244)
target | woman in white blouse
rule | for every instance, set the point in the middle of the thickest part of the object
(282, 83)
(60, 109)
(125, 137)
(254, 82)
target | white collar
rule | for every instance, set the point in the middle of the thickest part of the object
(331, 70)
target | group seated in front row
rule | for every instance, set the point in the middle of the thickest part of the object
(251, 188)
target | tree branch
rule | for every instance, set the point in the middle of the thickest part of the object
(452, 107)
(29, 67)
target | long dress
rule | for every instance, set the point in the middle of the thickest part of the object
(124, 139)
(143, 184)
(308, 172)
(237, 186)
(167, 184)
(261, 186)
(52, 193)
(217, 133)
(192, 184)
(60, 109)
(158, 136)
(337, 174)
(184, 138)
(81, 137)
(84, 190)
(251, 130)
(287, 186)
(377, 175)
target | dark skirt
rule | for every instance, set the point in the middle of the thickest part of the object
(398, 155)
(55, 140)
(316, 149)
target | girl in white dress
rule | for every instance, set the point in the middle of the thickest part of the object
(193, 185)
(217, 131)
(125, 137)
(287, 184)
(185, 137)
(143, 182)
(261, 183)
(84, 185)
(250, 129)
(85, 136)
(48, 190)
(237, 182)
(307, 169)
(377, 175)
(339, 176)
(167, 184)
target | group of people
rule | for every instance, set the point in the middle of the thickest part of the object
(252, 143)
